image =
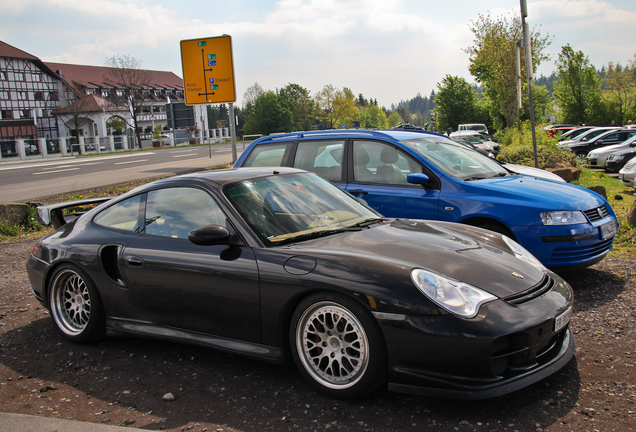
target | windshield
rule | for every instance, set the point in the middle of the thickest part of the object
(456, 159)
(285, 207)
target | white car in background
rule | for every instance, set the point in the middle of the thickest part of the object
(481, 140)
(598, 157)
(627, 174)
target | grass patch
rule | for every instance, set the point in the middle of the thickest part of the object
(621, 198)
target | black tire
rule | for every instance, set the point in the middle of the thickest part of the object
(75, 305)
(338, 346)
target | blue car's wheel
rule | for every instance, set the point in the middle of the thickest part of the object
(338, 346)
(75, 305)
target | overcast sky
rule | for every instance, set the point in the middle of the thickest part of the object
(389, 50)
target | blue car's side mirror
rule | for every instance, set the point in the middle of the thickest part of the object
(417, 178)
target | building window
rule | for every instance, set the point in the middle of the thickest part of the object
(38, 96)
(4, 95)
(21, 95)
(54, 96)
(19, 76)
(120, 93)
(36, 77)
(6, 114)
(105, 93)
(3, 75)
(90, 91)
(25, 114)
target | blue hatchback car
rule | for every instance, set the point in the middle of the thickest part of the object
(424, 175)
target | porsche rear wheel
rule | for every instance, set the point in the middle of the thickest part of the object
(338, 346)
(75, 305)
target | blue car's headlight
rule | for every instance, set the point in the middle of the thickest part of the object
(563, 217)
(456, 297)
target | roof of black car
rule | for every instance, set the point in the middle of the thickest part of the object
(224, 176)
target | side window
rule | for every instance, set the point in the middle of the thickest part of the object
(322, 157)
(380, 163)
(267, 155)
(124, 215)
(174, 212)
(613, 137)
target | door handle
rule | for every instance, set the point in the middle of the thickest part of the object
(134, 261)
(358, 191)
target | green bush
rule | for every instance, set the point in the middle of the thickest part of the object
(516, 147)
(30, 225)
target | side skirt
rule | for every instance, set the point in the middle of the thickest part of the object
(126, 327)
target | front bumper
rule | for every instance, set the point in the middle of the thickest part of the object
(579, 245)
(483, 389)
(511, 344)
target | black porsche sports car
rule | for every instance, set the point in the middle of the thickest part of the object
(276, 262)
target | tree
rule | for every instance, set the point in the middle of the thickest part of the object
(455, 102)
(336, 107)
(131, 86)
(78, 114)
(270, 114)
(251, 94)
(394, 119)
(301, 104)
(578, 89)
(373, 117)
(493, 60)
(618, 91)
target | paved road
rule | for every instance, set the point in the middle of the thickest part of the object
(38, 178)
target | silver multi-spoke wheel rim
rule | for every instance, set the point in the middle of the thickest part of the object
(70, 302)
(332, 345)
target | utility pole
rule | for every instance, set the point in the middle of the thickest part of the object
(527, 45)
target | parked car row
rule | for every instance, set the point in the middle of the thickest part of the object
(612, 149)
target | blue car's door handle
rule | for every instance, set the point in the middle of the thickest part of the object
(358, 191)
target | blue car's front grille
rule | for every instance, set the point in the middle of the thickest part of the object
(581, 253)
(597, 213)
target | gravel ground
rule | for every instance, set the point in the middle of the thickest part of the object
(164, 386)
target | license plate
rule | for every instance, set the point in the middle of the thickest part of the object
(608, 230)
(562, 320)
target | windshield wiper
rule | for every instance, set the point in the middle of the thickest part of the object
(317, 234)
(475, 178)
(365, 223)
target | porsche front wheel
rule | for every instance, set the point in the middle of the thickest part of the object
(338, 346)
(75, 305)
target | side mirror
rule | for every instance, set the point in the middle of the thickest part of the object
(210, 235)
(418, 178)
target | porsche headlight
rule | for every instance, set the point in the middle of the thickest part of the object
(563, 217)
(521, 252)
(456, 297)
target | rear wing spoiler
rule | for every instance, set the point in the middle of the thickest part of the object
(53, 214)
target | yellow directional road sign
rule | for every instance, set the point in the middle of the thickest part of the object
(208, 70)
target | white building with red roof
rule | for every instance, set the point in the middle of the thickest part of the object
(53, 100)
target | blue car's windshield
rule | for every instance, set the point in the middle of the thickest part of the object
(284, 207)
(455, 159)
